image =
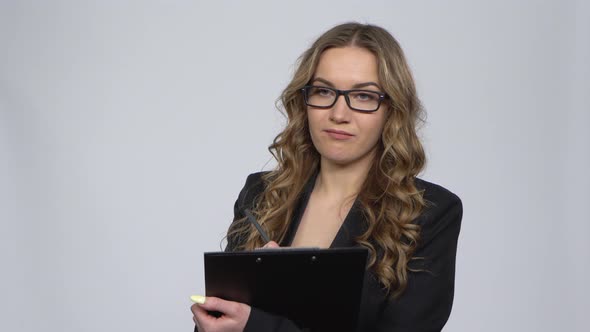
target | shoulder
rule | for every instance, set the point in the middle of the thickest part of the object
(443, 211)
(255, 182)
(255, 179)
(436, 196)
(254, 186)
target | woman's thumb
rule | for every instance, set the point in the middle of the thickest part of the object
(271, 244)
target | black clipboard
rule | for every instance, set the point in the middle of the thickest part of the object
(318, 289)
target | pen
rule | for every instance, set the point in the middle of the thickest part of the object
(253, 221)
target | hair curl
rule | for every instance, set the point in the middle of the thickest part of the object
(389, 198)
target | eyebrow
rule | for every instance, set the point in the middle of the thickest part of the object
(356, 86)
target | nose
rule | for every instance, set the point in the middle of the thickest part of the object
(340, 112)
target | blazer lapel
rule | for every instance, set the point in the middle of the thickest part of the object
(352, 227)
(298, 212)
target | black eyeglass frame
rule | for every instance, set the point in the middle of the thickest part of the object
(382, 96)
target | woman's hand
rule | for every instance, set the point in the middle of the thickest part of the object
(271, 244)
(234, 315)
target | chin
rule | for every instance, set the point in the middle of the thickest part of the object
(338, 159)
(342, 158)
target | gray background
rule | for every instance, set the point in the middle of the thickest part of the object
(128, 128)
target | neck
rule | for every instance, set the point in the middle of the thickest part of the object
(342, 181)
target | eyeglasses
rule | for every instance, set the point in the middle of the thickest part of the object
(358, 100)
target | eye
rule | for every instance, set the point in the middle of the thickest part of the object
(323, 92)
(365, 96)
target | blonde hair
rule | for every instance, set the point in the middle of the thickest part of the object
(389, 198)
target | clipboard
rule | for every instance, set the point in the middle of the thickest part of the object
(317, 289)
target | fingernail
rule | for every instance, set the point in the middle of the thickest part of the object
(198, 299)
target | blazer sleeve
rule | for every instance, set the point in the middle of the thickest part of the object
(426, 304)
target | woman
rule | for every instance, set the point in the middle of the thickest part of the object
(346, 176)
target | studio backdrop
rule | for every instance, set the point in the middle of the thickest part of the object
(127, 129)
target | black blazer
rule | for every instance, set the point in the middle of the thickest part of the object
(426, 303)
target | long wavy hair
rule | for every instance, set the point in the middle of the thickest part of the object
(388, 197)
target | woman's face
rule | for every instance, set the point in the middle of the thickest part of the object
(341, 135)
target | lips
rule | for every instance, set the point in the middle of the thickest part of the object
(339, 134)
